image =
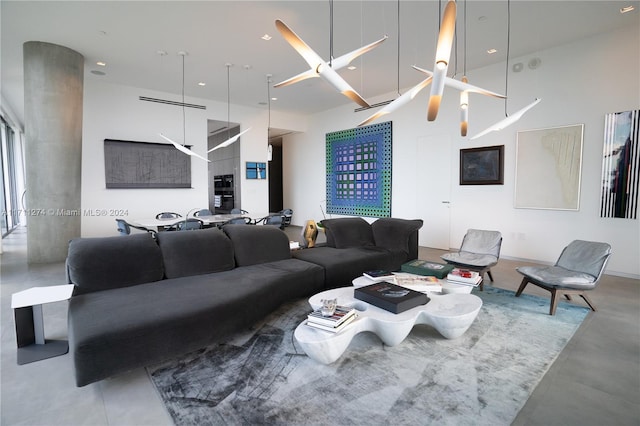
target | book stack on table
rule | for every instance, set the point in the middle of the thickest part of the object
(464, 276)
(425, 267)
(390, 297)
(342, 316)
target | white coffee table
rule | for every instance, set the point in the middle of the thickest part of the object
(450, 314)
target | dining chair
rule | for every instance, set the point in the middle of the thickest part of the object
(479, 251)
(286, 216)
(577, 270)
(274, 220)
(203, 212)
(167, 215)
(238, 211)
(189, 224)
(124, 228)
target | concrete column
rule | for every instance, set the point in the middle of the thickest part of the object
(53, 86)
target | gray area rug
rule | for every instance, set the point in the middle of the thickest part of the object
(481, 378)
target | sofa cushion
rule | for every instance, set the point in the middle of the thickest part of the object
(397, 235)
(348, 232)
(253, 244)
(195, 252)
(343, 265)
(95, 264)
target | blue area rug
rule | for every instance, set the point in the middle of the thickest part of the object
(481, 378)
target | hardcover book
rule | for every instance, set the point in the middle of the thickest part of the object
(378, 275)
(340, 315)
(390, 297)
(464, 276)
(425, 267)
(330, 328)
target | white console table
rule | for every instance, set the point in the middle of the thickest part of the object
(27, 311)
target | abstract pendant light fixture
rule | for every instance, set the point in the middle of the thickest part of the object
(510, 119)
(463, 85)
(443, 53)
(230, 139)
(183, 148)
(320, 68)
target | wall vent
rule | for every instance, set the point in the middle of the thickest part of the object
(168, 102)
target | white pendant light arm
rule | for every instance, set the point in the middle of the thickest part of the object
(443, 53)
(230, 140)
(183, 148)
(507, 121)
(317, 65)
(398, 102)
(311, 57)
(346, 59)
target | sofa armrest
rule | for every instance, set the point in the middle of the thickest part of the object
(397, 234)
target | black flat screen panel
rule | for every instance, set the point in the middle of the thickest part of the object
(129, 164)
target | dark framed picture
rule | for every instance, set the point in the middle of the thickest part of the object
(482, 166)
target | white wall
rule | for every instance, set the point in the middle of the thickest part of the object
(578, 83)
(115, 112)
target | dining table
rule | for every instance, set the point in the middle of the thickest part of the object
(162, 223)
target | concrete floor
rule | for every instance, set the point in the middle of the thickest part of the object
(594, 381)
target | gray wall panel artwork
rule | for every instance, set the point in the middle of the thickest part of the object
(131, 164)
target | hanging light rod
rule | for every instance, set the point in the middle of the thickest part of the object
(183, 148)
(510, 119)
(231, 139)
(320, 68)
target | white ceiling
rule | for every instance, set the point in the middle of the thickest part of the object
(127, 36)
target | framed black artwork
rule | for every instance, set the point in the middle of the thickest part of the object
(482, 166)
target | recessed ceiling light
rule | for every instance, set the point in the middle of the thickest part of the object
(627, 9)
(482, 18)
(98, 72)
(102, 64)
(352, 67)
(491, 51)
(266, 37)
(202, 83)
(274, 99)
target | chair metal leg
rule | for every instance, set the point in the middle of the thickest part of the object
(489, 273)
(554, 301)
(523, 284)
(589, 302)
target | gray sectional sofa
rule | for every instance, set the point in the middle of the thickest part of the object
(139, 300)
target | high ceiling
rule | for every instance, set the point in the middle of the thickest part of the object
(128, 35)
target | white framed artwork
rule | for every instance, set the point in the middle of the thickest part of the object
(549, 168)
